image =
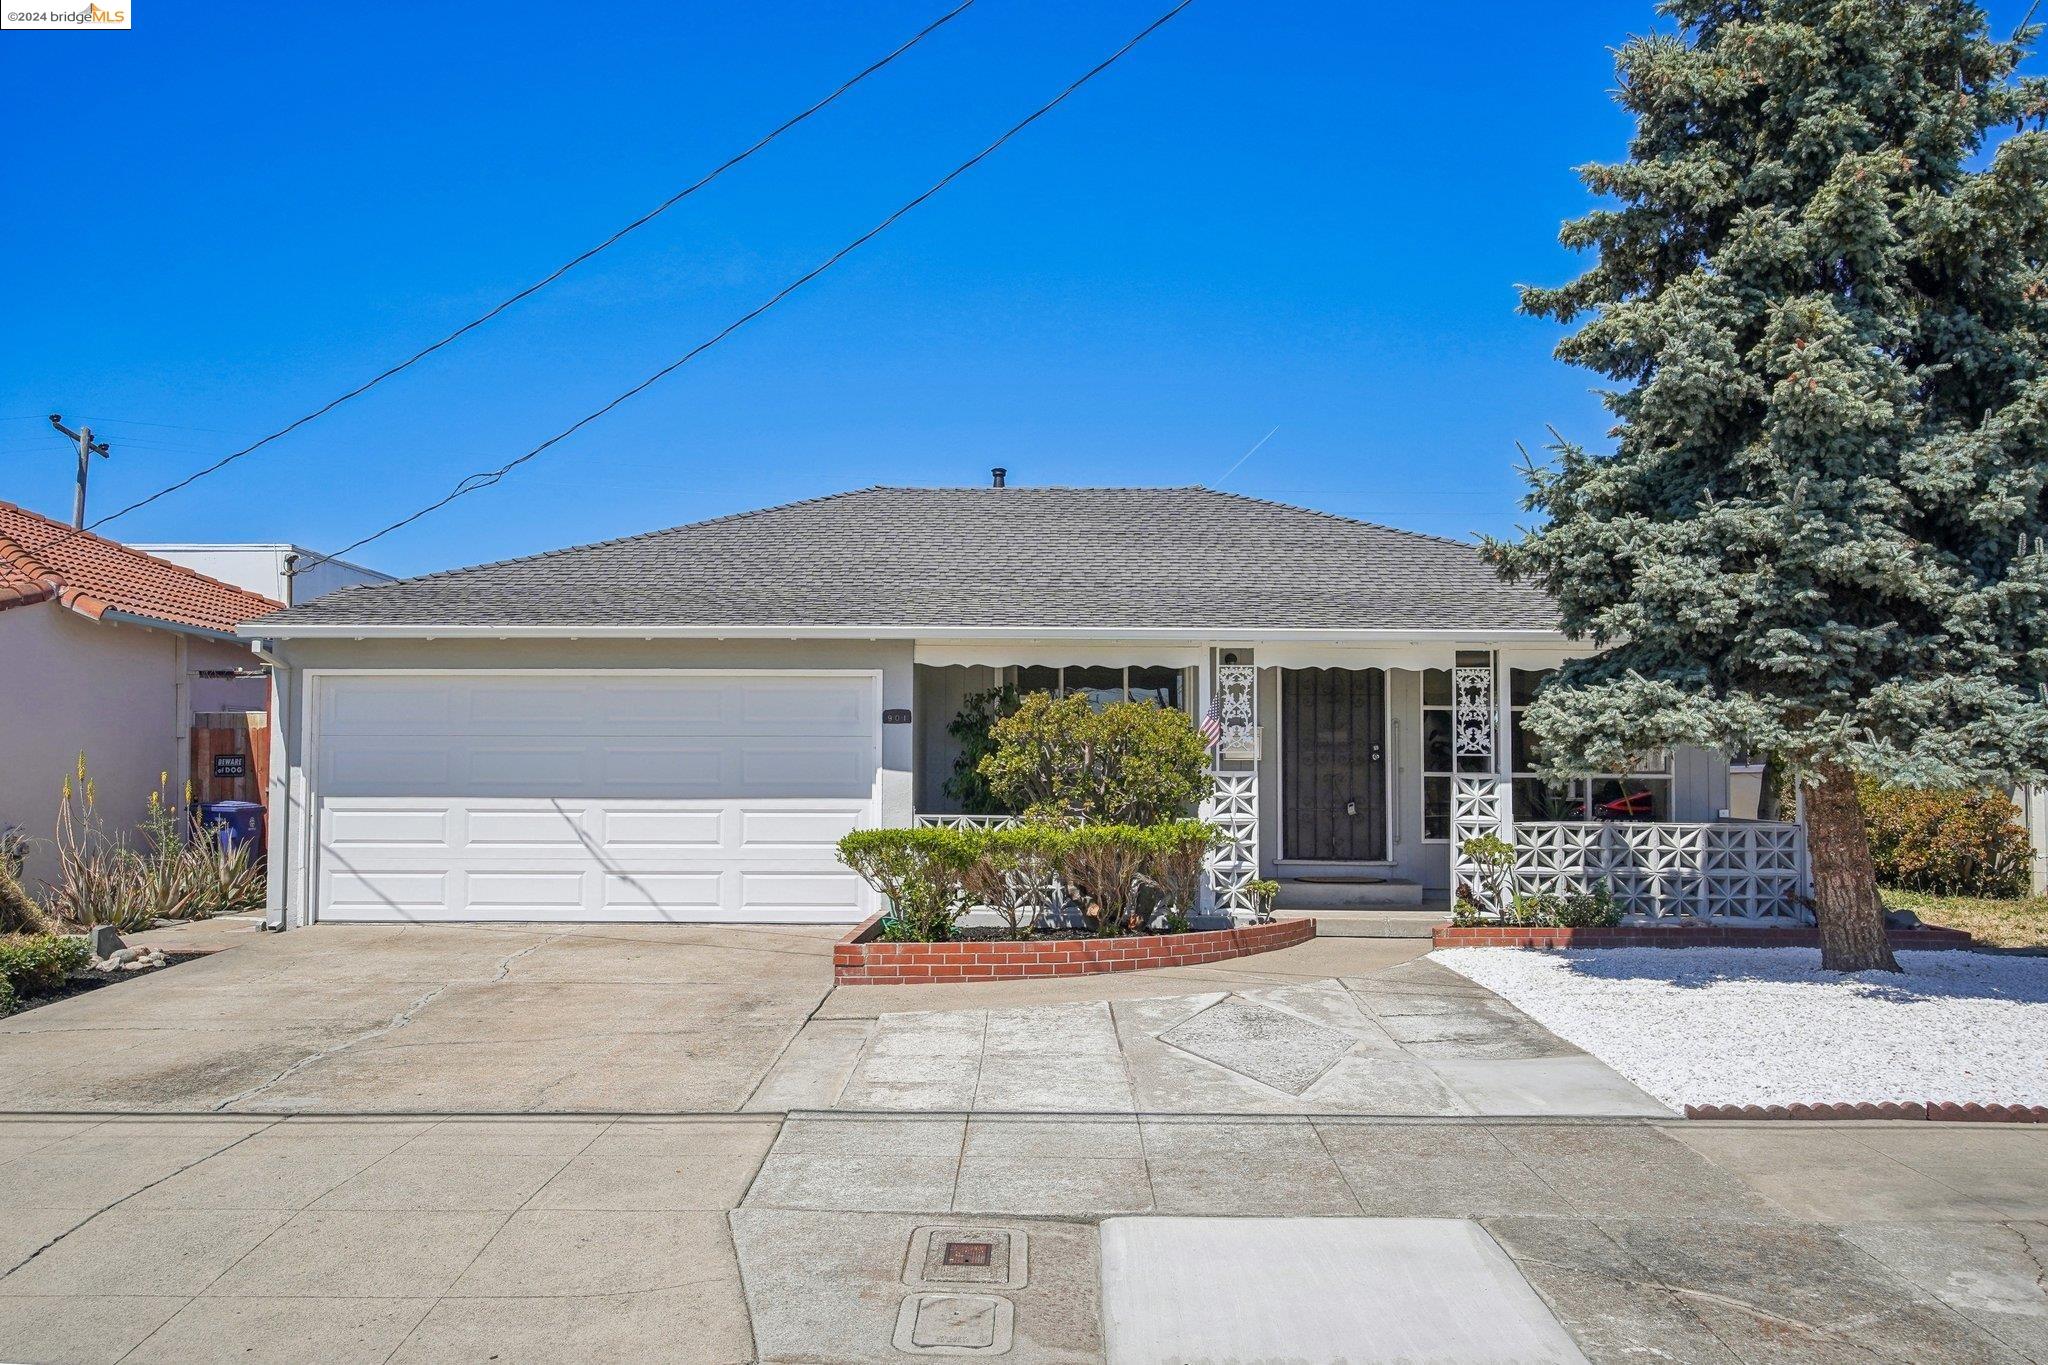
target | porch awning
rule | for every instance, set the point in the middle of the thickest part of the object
(1057, 653)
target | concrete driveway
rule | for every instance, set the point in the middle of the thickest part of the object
(440, 1019)
(674, 1019)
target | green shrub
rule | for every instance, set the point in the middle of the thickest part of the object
(932, 876)
(37, 964)
(1265, 895)
(1131, 763)
(979, 712)
(1494, 860)
(1102, 865)
(1176, 853)
(920, 871)
(1949, 843)
(1595, 909)
(1011, 872)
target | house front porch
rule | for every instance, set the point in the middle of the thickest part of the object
(1351, 774)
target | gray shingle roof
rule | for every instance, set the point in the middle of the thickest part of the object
(1051, 558)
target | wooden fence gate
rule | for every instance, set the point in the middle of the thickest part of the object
(230, 755)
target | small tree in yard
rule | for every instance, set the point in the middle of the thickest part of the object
(1819, 534)
(1131, 763)
(977, 716)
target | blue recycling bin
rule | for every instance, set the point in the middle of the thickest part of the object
(234, 823)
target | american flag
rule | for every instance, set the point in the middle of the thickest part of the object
(1212, 721)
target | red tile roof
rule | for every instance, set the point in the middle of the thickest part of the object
(43, 560)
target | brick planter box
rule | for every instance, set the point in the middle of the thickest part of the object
(860, 959)
(1670, 936)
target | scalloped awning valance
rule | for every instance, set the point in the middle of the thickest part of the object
(1055, 653)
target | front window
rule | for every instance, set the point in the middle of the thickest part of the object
(1437, 762)
(1165, 687)
(1643, 794)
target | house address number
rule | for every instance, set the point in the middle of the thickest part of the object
(896, 715)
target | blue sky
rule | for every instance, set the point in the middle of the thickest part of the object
(1308, 217)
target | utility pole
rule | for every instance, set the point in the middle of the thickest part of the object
(86, 450)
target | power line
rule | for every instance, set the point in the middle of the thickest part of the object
(554, 275)
(483, 479)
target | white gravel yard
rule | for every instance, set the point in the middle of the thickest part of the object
(1767, 1026)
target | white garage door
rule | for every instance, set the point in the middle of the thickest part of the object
(640, 796)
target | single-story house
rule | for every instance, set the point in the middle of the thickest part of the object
(679, 725)
(109, 652)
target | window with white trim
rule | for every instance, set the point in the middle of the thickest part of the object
(1438, 764)
(1167, 687)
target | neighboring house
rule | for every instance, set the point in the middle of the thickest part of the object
(287, 573)
(109, 652)
(679, 725)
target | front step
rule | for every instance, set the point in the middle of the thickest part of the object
(1392, 923)
(1347, 893)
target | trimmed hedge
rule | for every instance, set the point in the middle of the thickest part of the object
(1949, 843)
(1127, 875)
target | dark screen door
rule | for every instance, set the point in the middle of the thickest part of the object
(1333, 734)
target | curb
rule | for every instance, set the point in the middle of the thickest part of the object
(1934, 1111)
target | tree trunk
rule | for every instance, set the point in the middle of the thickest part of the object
(1852, 931)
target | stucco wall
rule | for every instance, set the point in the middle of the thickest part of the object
(107, 689)
(288, 791)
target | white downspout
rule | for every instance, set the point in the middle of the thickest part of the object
(277, 789)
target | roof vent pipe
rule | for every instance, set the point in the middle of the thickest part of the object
(997, 475)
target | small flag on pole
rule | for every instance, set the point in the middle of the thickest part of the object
(1212, 721)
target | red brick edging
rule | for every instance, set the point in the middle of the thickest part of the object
(1669, 936)
(861, 960)
(1936, 1111)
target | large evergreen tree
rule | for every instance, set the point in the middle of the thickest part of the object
(1824, 313)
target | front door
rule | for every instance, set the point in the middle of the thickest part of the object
(1333, 764)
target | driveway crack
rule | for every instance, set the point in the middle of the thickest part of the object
(397, 1021)
(392, 1025)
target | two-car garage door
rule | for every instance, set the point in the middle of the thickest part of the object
(552, 796)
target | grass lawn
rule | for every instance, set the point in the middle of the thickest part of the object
(2001, 924)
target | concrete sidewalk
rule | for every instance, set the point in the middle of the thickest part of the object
(1643, 1240)
(731, 1239)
